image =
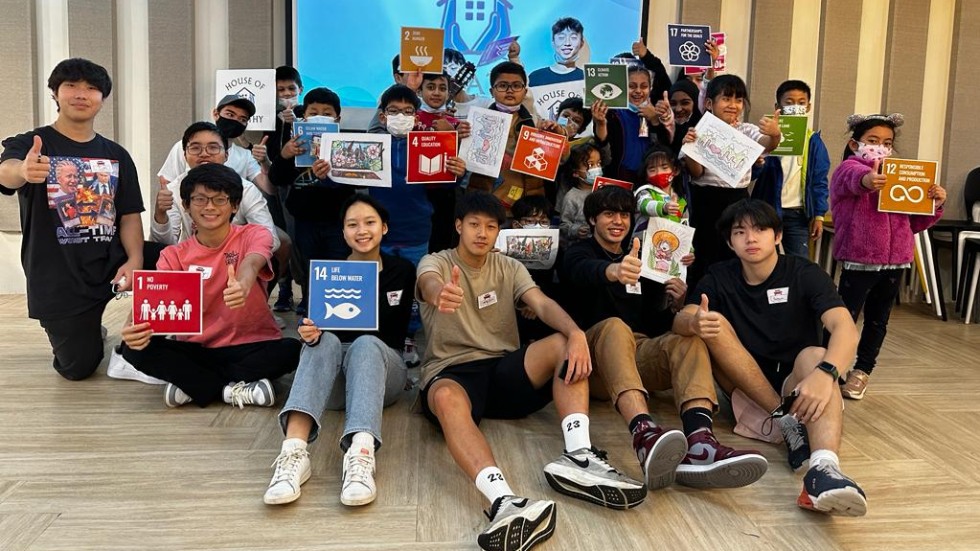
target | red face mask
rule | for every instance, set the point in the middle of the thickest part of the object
(661, 180)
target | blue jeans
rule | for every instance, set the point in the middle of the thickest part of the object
(362, 382)
(796, 233)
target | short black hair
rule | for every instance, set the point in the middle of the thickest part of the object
(435, 76)
(508, 68)
(727, 85)
(215, 177)
(395, 62)
(79, 69)
(399, 92)
(529, 205)
(480, 202)
(202, 126)
(322, 95)
(367, 200)
(285, 72)
(792, 85)
(450, 55)
(567, 23)
(612, 198)
(576, 104)
(755, 211)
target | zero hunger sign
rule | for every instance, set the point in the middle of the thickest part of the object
(907, 183)
(421, 50)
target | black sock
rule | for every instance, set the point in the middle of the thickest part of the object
(696, 419)
(638, 419)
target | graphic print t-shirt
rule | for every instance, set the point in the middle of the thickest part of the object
(71, 247)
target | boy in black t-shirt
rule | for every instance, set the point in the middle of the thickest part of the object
(764, 340)
(82, 234)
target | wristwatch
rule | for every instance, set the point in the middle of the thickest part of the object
(829, 369)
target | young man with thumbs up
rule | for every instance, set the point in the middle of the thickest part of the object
(241, 348)
(77, 243)
(761, 316)
(634, 353)
(474, 367)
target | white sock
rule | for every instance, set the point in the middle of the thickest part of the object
(827, 456)
(291, 444)
(362, 443)
(575, 429)
(490, 481)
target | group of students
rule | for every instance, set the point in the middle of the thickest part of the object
(769, 330)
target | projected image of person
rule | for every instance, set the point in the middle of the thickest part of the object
(564, 78)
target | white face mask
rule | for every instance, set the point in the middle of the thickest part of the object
(508, 108)
(536, 226)
(400, 124)
(320, 119)
(793, 110)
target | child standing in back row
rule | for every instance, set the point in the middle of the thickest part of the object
(726, 99)
(874, 247)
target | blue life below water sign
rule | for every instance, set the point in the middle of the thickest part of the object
(343, 295)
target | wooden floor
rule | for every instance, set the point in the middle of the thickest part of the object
(103, 464)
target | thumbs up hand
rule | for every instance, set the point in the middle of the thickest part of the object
(639, 48)
(769, 126)
(451, 295)
(874, 180)
(35, 167)
(235, 293)
(664, 112)
(164, 202)
(627, 271)
(707, 324)
(259, 151)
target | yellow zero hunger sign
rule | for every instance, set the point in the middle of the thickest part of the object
(421, 49)
(907, 186)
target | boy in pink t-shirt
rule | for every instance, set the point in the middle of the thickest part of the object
(241, 348)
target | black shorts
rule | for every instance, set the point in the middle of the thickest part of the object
(775, 371)
(498, 388)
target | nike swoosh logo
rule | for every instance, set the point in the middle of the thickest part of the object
(703, 456)
(584, 464)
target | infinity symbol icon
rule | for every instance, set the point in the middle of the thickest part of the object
(900, 193)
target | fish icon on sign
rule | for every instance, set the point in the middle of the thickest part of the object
(344, 310)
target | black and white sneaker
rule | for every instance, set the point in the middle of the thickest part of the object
(827, 490)
(797, 442)
(517, 523)
(587, 475)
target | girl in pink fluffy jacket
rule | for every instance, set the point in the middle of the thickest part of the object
(873, 247)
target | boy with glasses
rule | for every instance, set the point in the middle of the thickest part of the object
(241, 348)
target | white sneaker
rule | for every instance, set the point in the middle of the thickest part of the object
(174, 397)
(258, 393)
(517, 524)
(358, 488)
(292, 470)
(119, 368)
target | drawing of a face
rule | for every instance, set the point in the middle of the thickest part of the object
(66, 174)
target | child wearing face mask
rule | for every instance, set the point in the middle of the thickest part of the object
(660, 194)
(628, 133)
(432, 114)
(584, 165)
(726, 99)
(796, 186)
(873, 247)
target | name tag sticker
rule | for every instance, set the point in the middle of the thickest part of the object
(487, 299)
(204, 270)
(394, 298)
(634, 289)
(779, 295)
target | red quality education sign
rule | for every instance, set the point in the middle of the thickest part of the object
(538, 153)
(427, 156)
(169, 301)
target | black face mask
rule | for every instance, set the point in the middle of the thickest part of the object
(229, 128)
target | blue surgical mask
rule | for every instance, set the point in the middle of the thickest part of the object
(592, 174)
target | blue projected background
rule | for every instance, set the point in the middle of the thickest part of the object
(347, 45)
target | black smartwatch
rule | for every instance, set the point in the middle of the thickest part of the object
(829, 369)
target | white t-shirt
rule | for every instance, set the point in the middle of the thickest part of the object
(239, 159)
(792, 194)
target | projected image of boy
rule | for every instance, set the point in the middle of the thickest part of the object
(564, 78)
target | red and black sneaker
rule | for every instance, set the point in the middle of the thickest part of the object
(709, 464)
(659, 451)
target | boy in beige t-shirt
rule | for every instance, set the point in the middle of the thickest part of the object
(474, 367)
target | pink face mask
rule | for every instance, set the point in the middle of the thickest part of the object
(872, 152)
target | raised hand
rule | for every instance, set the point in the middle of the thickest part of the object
(163, 203)
(451, 295)
(691, 136)
(456, 165)
(292, 148)
(35, 167)
(514, 51)
(627, 271)
(663, 110)
(321, 169)
(599, 109)
(234, 294)
(769, 126)
(707, 324)
(875, 179)
(639, 48)
(259, 151)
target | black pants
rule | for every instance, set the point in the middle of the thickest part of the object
(875, 293)
(76, 342)
(202, 373)
(707, 204)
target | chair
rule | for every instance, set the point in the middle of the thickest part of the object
(958, 231)
(971, 196)
(973, 254)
